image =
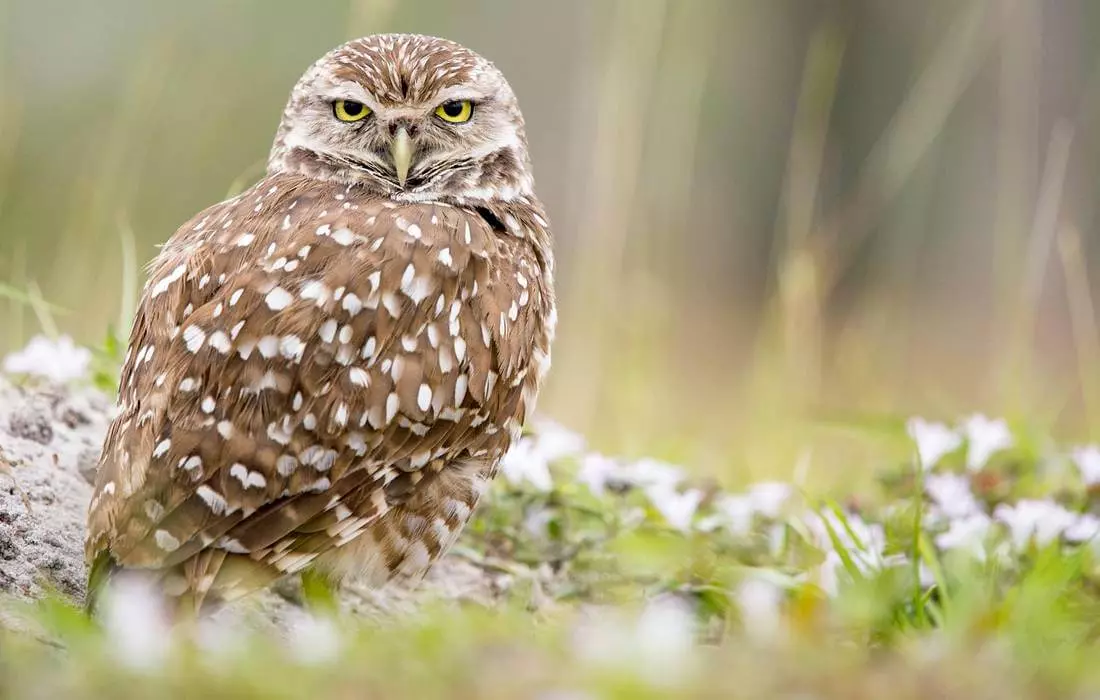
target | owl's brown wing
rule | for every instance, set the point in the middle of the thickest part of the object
(304, 357)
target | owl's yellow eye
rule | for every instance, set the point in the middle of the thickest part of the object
(455, 111)
(348, 111)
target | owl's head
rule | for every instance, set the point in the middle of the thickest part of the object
(415, 117)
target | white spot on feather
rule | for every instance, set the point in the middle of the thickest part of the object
(162, 448)
(213, 500)
(352, 304)
(415, 286)
(269, 346)
(286, 465)
(220, 342)
(359, 377)
(248, 479)
(278, 299)
(193, 338)
(424, 397)
(165, 282)
(292, 348)
(368, 350)
(343, 236)
(393, 402)
(166, 541)
(460, 388)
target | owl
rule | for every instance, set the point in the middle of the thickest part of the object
(325, 370)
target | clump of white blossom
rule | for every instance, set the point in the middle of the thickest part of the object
(59, 360)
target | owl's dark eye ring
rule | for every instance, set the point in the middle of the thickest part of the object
(349, 111)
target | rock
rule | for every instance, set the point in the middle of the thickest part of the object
(43, 547)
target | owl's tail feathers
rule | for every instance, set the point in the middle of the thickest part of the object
(215, 577)
(99, 573)
(199, 585)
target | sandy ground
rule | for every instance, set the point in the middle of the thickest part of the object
(50, 439)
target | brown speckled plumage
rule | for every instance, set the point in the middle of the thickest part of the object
(325, 370)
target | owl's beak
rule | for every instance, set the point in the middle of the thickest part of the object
(401, 151)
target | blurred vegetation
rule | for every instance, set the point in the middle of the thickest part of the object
(727, 608)
(773, 219)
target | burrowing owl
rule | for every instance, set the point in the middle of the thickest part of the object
(325, 371)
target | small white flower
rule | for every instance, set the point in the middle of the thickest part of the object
(678, 508)
(136, 623)
(658, 645)
(1085, 529)
(768, 498)
(530, 458)
(967, 534)
(222, 636)
(524, 462)
(984, 437)
(777, 539)
(761, 602)
(952, 494)
(924, 574)
(596, 472)
(536, 521)
(733, 512)
(1042, 521)
(556, 442)
(865, 549)
(59, 361)
(646, 473)
(314, 640)
(1087, 459)
(666, 632)
(933, 440)
(828, 573)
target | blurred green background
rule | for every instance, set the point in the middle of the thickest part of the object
(774, 218)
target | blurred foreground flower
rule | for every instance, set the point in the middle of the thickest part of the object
(933, 440)
(984, 437)
(735, 512)
(952, 495)
(677, 507)
(58, 360)
(530, 459)
(597, 472)
(314, 640)
(967, 534)
(138, 630)
(1087, 460)
(523, 463)
(1041, 521)
(1086, 529)
(657, 646)
(761, 604)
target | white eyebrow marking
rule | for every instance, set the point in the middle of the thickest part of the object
(347, 90)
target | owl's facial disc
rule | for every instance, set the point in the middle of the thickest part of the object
(414, 118)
